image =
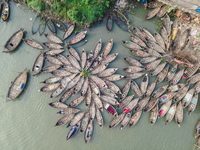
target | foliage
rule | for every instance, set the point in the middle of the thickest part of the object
(80, 11)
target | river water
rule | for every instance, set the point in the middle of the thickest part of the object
(27, 123)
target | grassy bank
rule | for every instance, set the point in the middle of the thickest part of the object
(83, 12)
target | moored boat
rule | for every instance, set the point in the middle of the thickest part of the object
(53, 38)
(17, 86)
(78, 37)
(38, 64)
(69, 31)
(73, 130)
(51, 26)
(5, 12)
(13, 41)
(110, 109)
(197, 130)
(33, 44)
(109, 22)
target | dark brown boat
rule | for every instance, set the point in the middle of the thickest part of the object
(13, 41)
(17, 86)
(33, 44)
(109, 23)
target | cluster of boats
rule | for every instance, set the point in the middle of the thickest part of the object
(167, 56)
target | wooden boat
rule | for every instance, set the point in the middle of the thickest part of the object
(114, 77)
(84, 122)
(139, 53)
(88, 132)
(135, 117)
(13, 41)
(153, 114)
(150, 88)
(76, 119)
(148, 36)
(52, 80)
(179, 114)
(125, 90)
(50, 87)
(42, 26)
(177, 77)
(50, 68)
(142, 103)
(38, 64)
(159, 91)
(190, 71)
(74, 62)
(68, 111)
(126, 120)
(181, 93)
(63, 59)
(109, 22)
(177, 87)
(170, 114)
(60, 25)
(124, 102)
(188, 97)
(54, 52)
(171, 72)
(138, 41)
(92, 110)
(112, 87)
(110, 109)
(159, 40)
(5, 12)
(53, 60)
(116, 120)
(164, 109)
(53, 38)
(162, 11)
(155, 46)
(107, 48)
(193, 104)
(17, 86)
(135, 88)
(158, 69)
(147, 60)
(99, 118)
(58, 91)
(58, 105)
(144, 83)
(193, 79)
(79, 85)
(133, 62)
(36, 24)
(134, 75)
(133, 69)
(60, 73)
(73, 130)
(69, 31)
(78, 38)
(74, 53)
(166, 97)
(151, 104)
(64, 120)
(66, 95)
(88, 97)
(51, 26)
(161, 76)
(108, 99)
(109, 58)
(76, 101)
(33, 44)
(197, 130)
(52, 45)
(152, 52)
(131, 45)
(132, 104)
(152, 13)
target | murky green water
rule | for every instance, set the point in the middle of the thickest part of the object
(28, 122)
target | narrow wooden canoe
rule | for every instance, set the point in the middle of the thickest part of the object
(38, 64)
(69, 31)
(51, 26)
(13, 41)
(36, 24)
(53, 38)
(78, 37)
(52, 45)
(60, 25)
(109, 22)
(42, 27)
(33, 44)
(5, 12)
(17, 86)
